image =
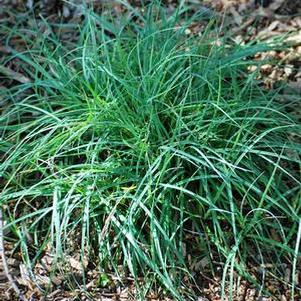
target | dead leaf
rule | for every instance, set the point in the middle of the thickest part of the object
(14, 75)
(24, 278)
(273, 25)
(237, 17)
(276, 4)
(202, 299)
(75, 264)
(294, 39)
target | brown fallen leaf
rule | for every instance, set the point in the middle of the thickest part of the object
(276, 4)
(237, 17)
(75, 264)
(294, 39)
(14, 75)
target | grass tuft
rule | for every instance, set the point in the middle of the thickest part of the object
(143, 147)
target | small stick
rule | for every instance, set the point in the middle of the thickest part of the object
(4, 262)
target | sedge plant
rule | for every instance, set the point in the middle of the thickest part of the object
(141, 146)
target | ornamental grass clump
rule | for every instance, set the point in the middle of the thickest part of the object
(144, 147)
